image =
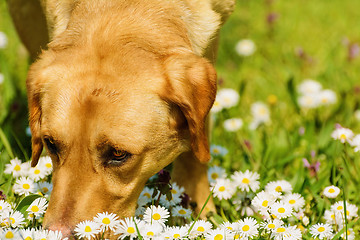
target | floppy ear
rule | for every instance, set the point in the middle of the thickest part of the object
(33, 93)
(191, 85)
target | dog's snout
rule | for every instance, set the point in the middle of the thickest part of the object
(64, 229)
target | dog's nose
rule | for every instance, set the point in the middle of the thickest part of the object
(65, 230)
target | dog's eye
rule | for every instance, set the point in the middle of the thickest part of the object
(50, 144)
(120, 155)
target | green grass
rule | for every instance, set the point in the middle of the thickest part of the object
(320, 29)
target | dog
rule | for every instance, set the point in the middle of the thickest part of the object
(122, 90)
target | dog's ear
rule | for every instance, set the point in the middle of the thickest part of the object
(191, 85)
(33, 92)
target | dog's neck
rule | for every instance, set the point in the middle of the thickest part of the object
(172, 24)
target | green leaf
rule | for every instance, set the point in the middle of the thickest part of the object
(26, 202)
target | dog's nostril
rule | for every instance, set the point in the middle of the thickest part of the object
(65, 230)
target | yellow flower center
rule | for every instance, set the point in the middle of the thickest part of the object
(48, 165)
(200, 229)
(26, 186)
(245, 228)
(173, 191)
(147, 195)
(321, 229)
(88, 229)
(9, 235)
(17, 167)
(176, 235)
(214, 175)
(292, 201)
(271, 226)
(222, 188)
(278, 189)
(150, 234)
(45, 189)
(281, 210)
(182, 211)
(280, 229)
(215, 150)
(34, 208)
(218, 237)
(331, 190)
(37, 171)
(245, 180)
(339, 208)
(230, 228)
(156, 216)
(343, 136)
(265, 203)
(237, 236)
(12, 220)
(130, 230)
(272, 99)
(28, 238)
(333, 216)
(106, 221)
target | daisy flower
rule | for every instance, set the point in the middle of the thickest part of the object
(87, 229)
(227, 97)
(281, 186)
(3, 40)
(230, 226)
(16, 168)
(45, 188)
(309, 86)
(223, 188)
(179, 211)
(46, 164)
(165, 201)
(107, 221)
(219, 234)
(342, 134)
(321, 230)
(127, 227)
(338, 209)
(280, 233)
(217, 106)
(4, 207)
(262, 201)
(24, 186)
(38, 207)
(248, 227)
(54, 235)
(8, 233)
(14, 219)
(233, 124)
(295, 200)
(260, 113)
(281, 210)
(175, 232)
(215, 172)
(176, 190)
(309, 101)
(41, 234)
(293, 233)
(149, 231)
(156, 215)
(246, 181)
(270, 225)
(355, 143)
(245, 47)
(331, 191)
(37, 173)
(350, 234)
(147, 193)
(27, 234)
(327, 97)
(200, 227)
(217, 150)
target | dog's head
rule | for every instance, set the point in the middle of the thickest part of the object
(110, 118)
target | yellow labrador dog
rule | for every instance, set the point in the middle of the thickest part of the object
(123, 90)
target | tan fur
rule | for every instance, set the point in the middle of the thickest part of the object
(127, 75)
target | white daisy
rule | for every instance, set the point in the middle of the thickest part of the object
(223, 188)
(45, 188)
(24, 186)
(87, 229)
(309, 101)
(233, 124)
(230, 226)
(175, 233)
(217, 150)
(176, 190)
(309, 86)
(321, 230)
(260, 113)
(9, 234)
(147, 193)
(107, 221)
(342, 134)
(295, 200)
(248, 227)
(45, 163)
(14, 219)
(270, 225)
(37, 173)
(281, 186)
(331, 191)
(16, 168)
(217, 106)
(262, 201)
(280, 233)
(38, 207)
(27, 234)
(293, 233)
(246, 181)
(179, 211)
(173, 201)
(200, 227)
(245, 47)
(3, 40)
(54, 235)
(281, 210)
(327, 97)
(127, 227)
(227, 97)
(338, 209)
(350, 234)
(156, 215)
(355, 143)
(4, 207)
(215, 172)
(149, 231)
(219, 234)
